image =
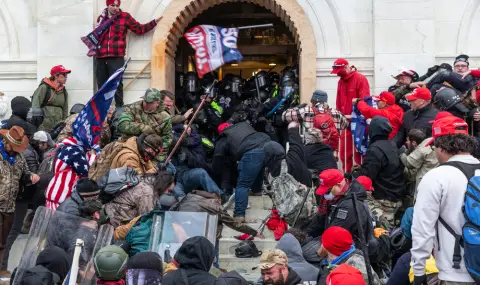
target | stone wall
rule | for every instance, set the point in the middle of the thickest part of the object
(377, 36)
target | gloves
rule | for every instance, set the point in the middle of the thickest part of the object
(420, 280)
(432, 70)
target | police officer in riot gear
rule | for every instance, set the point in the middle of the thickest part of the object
(448, 99)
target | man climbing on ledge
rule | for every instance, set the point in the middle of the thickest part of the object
(113, 42)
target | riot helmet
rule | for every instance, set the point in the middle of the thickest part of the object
(287, 84)
(209, 88)
(274, 78)
(76, 109)
(236, 85)
(110, 263)
(262, 79)
(190, 82)
(447, 98)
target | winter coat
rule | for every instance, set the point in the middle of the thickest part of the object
(67, 131)
(39, 275)
(20, 107)
(354, 85)
(320, 157)
(130, 156)
(191, 153)
(231, 278)
(399, 274)
(290, 245)
(195, 257)
(55, 260)
(292, 279)
(130, 203)
(400, 92)
(114, 41)
(419, 119)
(56, 109)
(135, 121)
(33, 161)
(201, 201)
(441, 193)
(235, 141)
(71, 204)
(382, 163)
(393, 113)
(420, 161)
(13, 176)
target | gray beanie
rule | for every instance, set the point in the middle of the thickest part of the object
(319, 96)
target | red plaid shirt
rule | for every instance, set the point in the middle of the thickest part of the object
(114, 42)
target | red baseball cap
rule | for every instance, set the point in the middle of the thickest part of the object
(59, 69)
(447, 126)
(366, 182)
(406, 72)
(328, 179)
(345, 275)
(419, 93)
(338, 64)
(441, 115)
(386, 97)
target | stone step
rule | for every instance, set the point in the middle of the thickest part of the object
(227, 245)
(253, 216)
(245, 265)
(228, 232)
(258, 202)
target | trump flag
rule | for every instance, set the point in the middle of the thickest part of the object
(88, 125)
(214, 46)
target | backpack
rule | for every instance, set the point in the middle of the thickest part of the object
(104, 160)
(47, 165)
(469, 239)
(325, 123)
(115, 181)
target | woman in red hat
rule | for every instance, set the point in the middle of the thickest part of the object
(50, 100)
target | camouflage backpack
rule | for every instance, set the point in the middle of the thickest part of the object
(104, 160)
(287, 195)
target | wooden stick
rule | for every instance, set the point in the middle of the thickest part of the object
(137, 75)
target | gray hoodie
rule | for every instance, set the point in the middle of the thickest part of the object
(290, 245)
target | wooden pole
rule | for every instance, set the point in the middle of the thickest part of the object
(137, 75)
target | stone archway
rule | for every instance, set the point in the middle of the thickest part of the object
(180, 13)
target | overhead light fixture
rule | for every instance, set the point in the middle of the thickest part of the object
(272, 64)
(234, 64)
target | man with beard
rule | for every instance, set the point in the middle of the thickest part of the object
(275, 270)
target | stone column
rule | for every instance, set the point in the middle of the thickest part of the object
(60, 25)
(404, 37)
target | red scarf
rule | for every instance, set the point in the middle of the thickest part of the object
(325, 204)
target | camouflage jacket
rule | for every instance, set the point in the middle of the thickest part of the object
(136, 201)
(67, 131)
(356, 260)
(135, 121)
(11, 176)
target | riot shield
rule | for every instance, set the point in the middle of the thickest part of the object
(171, 229)
(104, 238)
(63, 230)
(35, 241)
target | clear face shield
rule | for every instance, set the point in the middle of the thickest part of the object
(191, 85)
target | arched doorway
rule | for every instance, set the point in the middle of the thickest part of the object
(180, 13)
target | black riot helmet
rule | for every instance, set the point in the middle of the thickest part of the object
(209, 87)
(274, 78)
(190, 82)
(447, 98)
(287, 84)
(76, 109)
(262, 79)
(236, 85)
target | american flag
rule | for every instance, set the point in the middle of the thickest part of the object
(72, 164)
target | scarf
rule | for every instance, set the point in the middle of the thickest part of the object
(104, 282)
(94, 39)
(341, 257)
(10, 159)
(325, 204)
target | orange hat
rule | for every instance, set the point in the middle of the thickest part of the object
(328, 179)
(419, 93)
(447, 126)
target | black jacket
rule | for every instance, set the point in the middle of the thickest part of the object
(33, 161)
(320, 157)
(235, 141)
(71, 205)
(382, 163)
(51, 268)
(292, 279)
(419, 119)
(342, 214)
(296, 158)
(20, 107)
(195, 256)
(191, 153)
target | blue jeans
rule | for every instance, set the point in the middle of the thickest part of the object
(250, 175)
(193, 179)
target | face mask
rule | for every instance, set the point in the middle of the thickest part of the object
(329, 196)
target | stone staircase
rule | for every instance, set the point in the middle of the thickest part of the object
(259, 208)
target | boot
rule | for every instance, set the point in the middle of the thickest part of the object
(239, 219)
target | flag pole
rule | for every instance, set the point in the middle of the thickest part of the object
(255, 26)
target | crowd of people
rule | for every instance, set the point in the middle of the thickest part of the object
(393, 174)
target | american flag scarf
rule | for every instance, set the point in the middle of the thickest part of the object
(72, 164)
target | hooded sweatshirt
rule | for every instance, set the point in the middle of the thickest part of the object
(52, 267)
(382, 163)
(20, 107)
(290, 245)
(195, 257)
(144, 268)
(231, 278)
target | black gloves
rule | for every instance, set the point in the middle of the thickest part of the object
(420, 280)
